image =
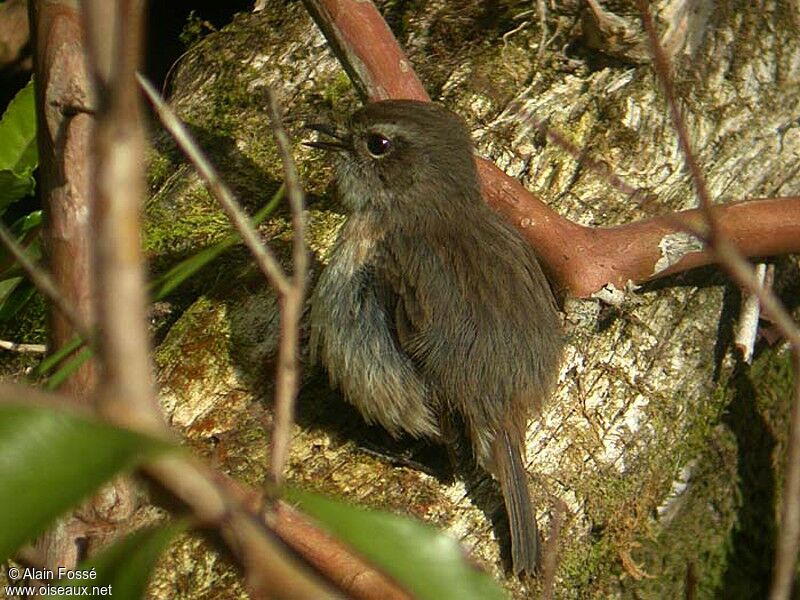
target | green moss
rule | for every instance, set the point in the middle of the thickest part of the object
(200, 223)
(338, 90)
(194, 30)
(159, 167)
(720, 531)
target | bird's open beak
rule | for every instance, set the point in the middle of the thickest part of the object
(339, 140)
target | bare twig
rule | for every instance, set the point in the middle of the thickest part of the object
(785, 561)
(747, 328)
(720, 241)
(23, 348)
(291, 291)
(264, 258)
(286, 380)
(541, 6)
(662, 68)
(41, 279)
(113, 38)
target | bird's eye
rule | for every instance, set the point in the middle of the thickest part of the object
(378, 145)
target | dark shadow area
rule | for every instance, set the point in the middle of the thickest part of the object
(726, 324)
(163, 45)
(167, 20)
(701, 277)
(752, 542)
(12, 80)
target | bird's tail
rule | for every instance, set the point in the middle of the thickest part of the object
(521, 518)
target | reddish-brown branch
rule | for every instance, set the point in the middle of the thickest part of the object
(365, 46)
(64, 182)
(334, 560)
(580, 259)
(63, 143)
(584, 259)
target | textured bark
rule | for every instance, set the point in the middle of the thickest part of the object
(63, 146)
(665, 451)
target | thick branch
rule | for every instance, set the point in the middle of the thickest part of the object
(64, 186)
(63, 141)
(365, 46)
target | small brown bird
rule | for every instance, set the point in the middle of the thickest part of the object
(431, 306)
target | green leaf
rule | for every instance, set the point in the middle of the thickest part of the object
(51, 459)
(24, 224)
(7, 287)
(53, 359)
(166, 283)
(14, 186)
(124, 568)
(18, 153)
(423, 560)
(31, 244)
(12, 303)
(64, 371)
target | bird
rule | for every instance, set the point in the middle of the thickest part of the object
(432, 310)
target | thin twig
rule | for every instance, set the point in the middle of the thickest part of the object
(747, 329)
(785, 564)
(541, 5)
(785, 560)
(264, 258)
(44, 283)
(726, 252)
(127, 392)
(580, 156)
(664, 73)
(286, 379)
(23, 348)
(291, 291)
